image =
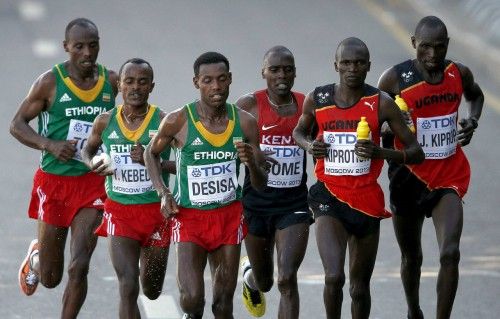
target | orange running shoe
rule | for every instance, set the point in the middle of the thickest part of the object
(28, 278)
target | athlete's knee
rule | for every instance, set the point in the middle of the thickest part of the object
(49, 280)
(78, 269)
(129, 288)
(450, 256)
(151, 292)
(192, 302)
(287, 282)
(264, 284)
(222, 306)
(359, 290)
(51, 277)
(412, 260)
(335, 281)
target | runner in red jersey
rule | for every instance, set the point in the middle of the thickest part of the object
(278, 215)
(432, 88)
(347, 201)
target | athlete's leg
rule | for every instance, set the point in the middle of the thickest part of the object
(224, 266)
(408, 231)
(124, 254)
(331, 238)
(153, 267)
(291, 244)
(51, 240)
(191, 263)
(448, 221)
(362, 255)
(260, 252)
(82, 245)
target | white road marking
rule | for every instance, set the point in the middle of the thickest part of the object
(164, 307)
(43, 48)
(32, 10)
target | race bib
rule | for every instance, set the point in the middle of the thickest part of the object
(129, 178)
(212, 183)
(438, 135)
(341, 159)
(288, 171)
(80, 132)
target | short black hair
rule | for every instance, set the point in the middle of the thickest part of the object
(277, 49)
(209, 58)
(354, 42)
(82, 22)
(136, 61)
(432, 22)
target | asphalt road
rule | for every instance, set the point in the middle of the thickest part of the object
(171, 34)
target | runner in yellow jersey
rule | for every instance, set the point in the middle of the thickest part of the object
(132, 218)
(66, 100)
(210, 138)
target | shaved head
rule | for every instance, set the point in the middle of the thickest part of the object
(351, 42)
(430, 22)
(279, 49)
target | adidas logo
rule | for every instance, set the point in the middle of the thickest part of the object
(65, 98)
(197, 142)
(97, 202)
(113, 135)
(156, 236)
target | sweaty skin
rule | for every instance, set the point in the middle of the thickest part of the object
(430, 42)
(82, 45)
(352, 63)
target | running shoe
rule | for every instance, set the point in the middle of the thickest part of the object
(254, 300)
(28, 278)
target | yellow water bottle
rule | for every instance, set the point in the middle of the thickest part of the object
(400, 102)
(363, 130)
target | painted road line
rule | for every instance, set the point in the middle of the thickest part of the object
(402, 35)
(31, 10)
(164, 307)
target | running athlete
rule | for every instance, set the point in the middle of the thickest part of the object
(132, 217)
(347, 201)
(279, 214)
(432, 87)
(66, 100)
(210, 138)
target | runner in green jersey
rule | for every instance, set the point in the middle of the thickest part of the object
(66, 100)
(210, 138)
(132, 218)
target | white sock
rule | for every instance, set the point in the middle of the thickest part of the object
(35, 262)
(249, 281)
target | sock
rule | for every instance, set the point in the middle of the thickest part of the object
(35, 262)
(249, 280)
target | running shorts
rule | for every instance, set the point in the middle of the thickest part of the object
(142, 222)
(410, 196)
(210, 228)
(267, 225)
(56, 199)
(323, 203)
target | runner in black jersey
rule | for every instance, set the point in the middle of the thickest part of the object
(278, 215)
(432, 88)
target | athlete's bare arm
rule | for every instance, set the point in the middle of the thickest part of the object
(390, 113)
(250, 153)
(302, 132)
(172, 131)
(389, 82)
(248, 103)
(113, 80)
(475, 99)
(39, 99)
(94, 142)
